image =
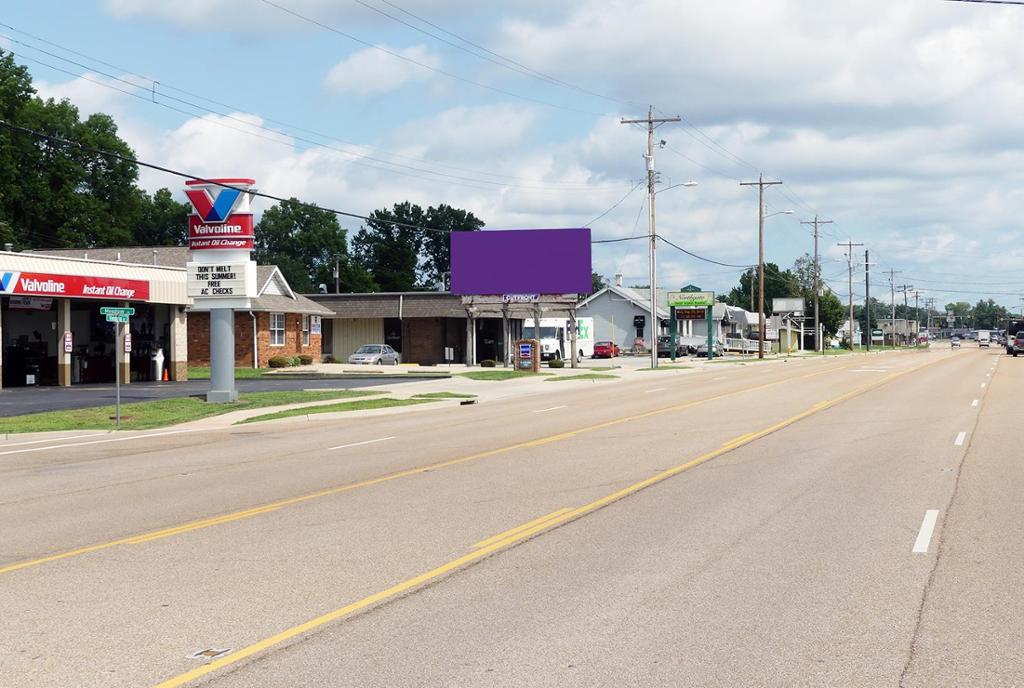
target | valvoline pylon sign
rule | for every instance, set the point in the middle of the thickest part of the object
(222, 219)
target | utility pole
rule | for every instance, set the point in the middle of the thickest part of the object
(917, 312)
(817, 281)
(760, 184)
(867, 300)
(892, 296)
(905, 288)
(337, 274)
(652, 123)
(849, 264)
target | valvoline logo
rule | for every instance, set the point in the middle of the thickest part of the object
(214, 209)
(7, 281)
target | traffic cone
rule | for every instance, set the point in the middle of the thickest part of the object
(166, 377)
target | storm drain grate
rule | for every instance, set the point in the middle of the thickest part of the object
(209, 653)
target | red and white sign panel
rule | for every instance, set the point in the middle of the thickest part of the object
(221, 243)
(69, 342)
(73, 286)
(221, 219)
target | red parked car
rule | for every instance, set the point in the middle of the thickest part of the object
(606, 350)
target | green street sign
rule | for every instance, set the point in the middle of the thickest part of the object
(116, 318)
(110, 310)
(691, 299)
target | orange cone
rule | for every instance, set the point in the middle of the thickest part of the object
(166, 377)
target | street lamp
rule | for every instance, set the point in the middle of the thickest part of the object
(654, 269)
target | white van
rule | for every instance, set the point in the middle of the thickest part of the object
(555, 337)
(984, 338)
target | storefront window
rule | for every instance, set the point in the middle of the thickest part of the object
(277, 329)
(305, 330)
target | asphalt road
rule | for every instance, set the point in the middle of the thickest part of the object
(843, 522)
(21, 400)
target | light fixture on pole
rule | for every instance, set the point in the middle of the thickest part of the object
(760, 184)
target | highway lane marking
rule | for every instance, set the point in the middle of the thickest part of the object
(340, 489)
(924, 536)
(86, 444)
(983, 385)
(553, 408)
(359, 444)
(525, 532)
(518, 529)
(656, 389)
(961, 436)
(974, 403)
(716, 379)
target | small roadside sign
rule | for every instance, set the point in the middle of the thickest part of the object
(127, 342)
(69, 343)
(111, 310)
(117, 318)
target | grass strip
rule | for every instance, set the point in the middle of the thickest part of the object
(499, 375)
(585, 376)
(667, 367)
(145, 415)
(203, 373)
(443, 395)
(361, 405)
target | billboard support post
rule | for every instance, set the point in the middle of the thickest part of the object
(573, 325)
(711, 339)
(222, 356)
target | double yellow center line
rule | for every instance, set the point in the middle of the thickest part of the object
(508, 538)
(340, 489)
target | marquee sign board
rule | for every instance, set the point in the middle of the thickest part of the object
(691, 313)
(231, 280)
(691, 299)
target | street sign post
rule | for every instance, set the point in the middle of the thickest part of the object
(118, 316)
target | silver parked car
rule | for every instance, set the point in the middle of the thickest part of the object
(374, 354)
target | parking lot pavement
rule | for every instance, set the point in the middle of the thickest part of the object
(21, 400)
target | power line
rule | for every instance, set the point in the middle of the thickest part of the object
(699, 257)
(616, 205)
(424, 65)
(153, 92)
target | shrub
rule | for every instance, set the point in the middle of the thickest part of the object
(556, 363)
(488, 363)
(293, 360)
(306, 359)
(278, 362)
(329, 359)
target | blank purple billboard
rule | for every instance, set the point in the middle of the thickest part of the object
(521, 261)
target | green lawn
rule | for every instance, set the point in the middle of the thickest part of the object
(443, 395)
(497, 375)
(145, 415)
(584, 376)
(361, 405)
(203, 373)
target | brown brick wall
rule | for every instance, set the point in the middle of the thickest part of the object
(199, 339)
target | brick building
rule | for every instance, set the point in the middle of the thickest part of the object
(281, 322)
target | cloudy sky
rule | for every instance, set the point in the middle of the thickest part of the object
(899, 120)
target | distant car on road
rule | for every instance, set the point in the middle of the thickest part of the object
(606, 350)
(1017, 344)
(665, 347)
(984, 338)
(374, 354)
(954, 342)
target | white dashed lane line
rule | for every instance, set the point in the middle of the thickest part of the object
(924, 536)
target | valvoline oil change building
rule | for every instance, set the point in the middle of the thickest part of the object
(52, 331)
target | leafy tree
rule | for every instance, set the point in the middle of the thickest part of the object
(777, 284)
(163, 221)
(597, 282)
(54, 194)
(436, 249)
(989, 315)
(401, 257)
(831, 313)
(304, 241)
